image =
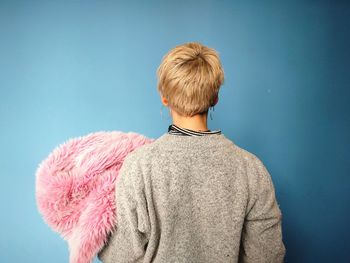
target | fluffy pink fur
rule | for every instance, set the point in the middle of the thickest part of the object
(75, 188)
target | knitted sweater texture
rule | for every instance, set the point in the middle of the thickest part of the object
(195, 199)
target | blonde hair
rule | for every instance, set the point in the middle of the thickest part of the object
(189, 77)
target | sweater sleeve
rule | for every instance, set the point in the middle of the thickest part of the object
(261, 239)
(129, 239)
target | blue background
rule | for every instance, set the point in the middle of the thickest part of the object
(68, 68)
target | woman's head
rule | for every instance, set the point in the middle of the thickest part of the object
(189, 78)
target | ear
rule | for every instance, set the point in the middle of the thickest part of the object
(164, 100)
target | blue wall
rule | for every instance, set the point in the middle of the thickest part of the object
(71, 68)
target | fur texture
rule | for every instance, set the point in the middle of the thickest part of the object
(75, 188)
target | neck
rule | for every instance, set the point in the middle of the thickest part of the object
(197, 122)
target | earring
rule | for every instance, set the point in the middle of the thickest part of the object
(210, 113)
(161, 112)
(169, 114)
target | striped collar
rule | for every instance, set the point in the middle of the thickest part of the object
(176, 130)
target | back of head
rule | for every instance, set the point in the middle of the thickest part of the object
(189, 77)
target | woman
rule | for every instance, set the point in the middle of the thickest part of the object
(193, 195)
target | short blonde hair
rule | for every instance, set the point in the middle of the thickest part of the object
(189, 77)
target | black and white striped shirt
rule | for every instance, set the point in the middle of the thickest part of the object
(176, 130)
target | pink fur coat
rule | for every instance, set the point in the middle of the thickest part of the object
(75, 188)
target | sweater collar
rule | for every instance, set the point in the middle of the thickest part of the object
(176, 130)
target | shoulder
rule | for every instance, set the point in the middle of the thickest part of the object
(254, 168)
(141, 156)
(246, 157)
(132, 171)
(256, 173)
(240, 154)
(144, 152)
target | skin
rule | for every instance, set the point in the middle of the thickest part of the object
(197, 122)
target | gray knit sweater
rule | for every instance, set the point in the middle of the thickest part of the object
(195, 199)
